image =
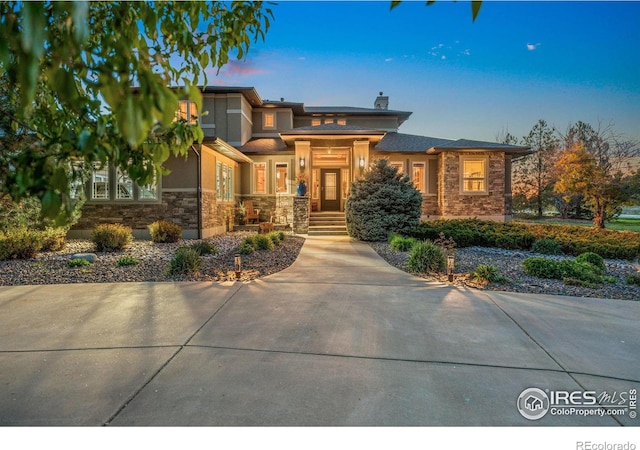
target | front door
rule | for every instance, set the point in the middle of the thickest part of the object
(330, 197)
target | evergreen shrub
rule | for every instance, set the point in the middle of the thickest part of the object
(382, 202)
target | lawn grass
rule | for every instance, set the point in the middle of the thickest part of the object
(623, 224)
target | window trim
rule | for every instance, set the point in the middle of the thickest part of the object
(485, 177)
(112, 185)
(398, 163)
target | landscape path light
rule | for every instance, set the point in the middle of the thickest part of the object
(450, 266)
(237, 262)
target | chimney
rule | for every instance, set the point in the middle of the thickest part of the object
(382, 102)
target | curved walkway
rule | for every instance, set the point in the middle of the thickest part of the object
(339, 338)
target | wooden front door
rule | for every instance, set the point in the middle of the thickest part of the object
(330, 197)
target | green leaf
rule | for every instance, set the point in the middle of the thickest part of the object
(51, 203)
(475, 9)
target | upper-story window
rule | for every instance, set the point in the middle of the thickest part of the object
(315, 122)
(268, 120)
(341, 121)
(188, 112)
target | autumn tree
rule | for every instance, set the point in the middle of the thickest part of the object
(533, 177)
(92, 82)
(593, 165)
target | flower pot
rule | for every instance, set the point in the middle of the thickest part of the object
(302, 189)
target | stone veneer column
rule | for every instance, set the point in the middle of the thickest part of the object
(301, 215)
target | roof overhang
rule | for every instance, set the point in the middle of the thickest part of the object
(370, 135)
(510, 150)
(227, 150)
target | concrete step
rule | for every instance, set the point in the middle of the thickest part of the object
(330, 223)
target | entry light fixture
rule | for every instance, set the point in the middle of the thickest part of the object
(361, 162)
(302, 162)
(450, 266)
(237, 262)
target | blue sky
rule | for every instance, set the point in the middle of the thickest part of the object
(517, 63)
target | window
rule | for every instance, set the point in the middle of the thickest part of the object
(124, 186)
(260, 178)
(76, 190)
(110, 183)
(229, 189)
(342, 121)
(219, 181)
(100, 183)
(474, 174)
(268, 120)
(188, 112)
(328, 121)
(282, 176)
(315, 122)
(418, 176)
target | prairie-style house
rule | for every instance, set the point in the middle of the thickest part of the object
(256, 151)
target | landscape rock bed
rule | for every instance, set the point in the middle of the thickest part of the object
(153, 263)
(509, 264)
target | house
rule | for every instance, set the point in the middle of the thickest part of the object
(256, 150)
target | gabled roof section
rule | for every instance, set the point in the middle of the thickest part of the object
(468, 144)
(400, 142)
(249, 92)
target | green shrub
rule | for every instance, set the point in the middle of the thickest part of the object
(111, 237)
(20, 243)
(426, 257)
(204, 248)
(542, 268)
(577, 282)
(383, 201)
(547, 247)
(634, 278)
(281, 234)
(126, 260)
(474, 232)
(560, 270)
(488, 273)
(401, 243)
(246, 248)
(185, 260)
(610, 279)
(275, 238)
(594, 259)
(262, 242)
(78, 262)
(165, 232)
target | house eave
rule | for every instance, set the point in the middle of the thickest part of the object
(227, 150)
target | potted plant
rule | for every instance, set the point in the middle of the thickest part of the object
(241, 214)
(302, 185)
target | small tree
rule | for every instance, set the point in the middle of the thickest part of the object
(382, 202)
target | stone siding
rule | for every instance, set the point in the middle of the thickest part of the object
(280, 207)
(453, 204)
(301, 215)
(430, 206)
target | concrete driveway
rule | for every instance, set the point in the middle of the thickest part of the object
(339, 338)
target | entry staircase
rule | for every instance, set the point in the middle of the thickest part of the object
(328, 223)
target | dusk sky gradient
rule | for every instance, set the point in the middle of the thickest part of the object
(517, 63)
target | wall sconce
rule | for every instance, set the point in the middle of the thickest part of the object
(361, 162)
(302, 162)
(237, 262)
(450, 266)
